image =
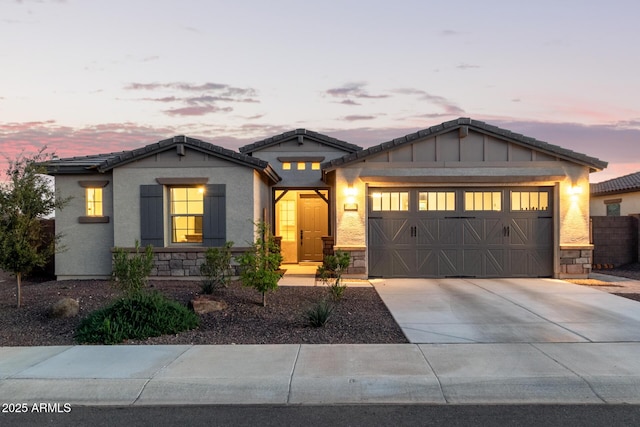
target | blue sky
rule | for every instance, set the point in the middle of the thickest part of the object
(85, 77)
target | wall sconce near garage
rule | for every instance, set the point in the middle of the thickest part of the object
(350, 204)
(574, 192)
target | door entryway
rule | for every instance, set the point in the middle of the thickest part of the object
(301, 220)
(313, 224)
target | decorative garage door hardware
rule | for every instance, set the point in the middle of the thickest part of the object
(503, 238)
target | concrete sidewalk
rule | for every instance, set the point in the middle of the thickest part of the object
(322, 374)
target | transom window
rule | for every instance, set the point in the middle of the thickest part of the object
(437, 201)
(529, 200)
(482, 201)
(390, 201)
(94, 201)
(187, 208)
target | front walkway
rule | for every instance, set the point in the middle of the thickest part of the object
(304, 274)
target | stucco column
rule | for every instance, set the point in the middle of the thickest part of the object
(575, 248)
(351, 220)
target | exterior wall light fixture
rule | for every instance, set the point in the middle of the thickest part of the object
(350, 204)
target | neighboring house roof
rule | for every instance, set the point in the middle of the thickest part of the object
(300, 134)
(106, 162)
(593, 163)
(624, 184)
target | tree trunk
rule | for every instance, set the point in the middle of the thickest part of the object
(18, 288)
(264, 299)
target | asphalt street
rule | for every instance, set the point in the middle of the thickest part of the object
(337, 415)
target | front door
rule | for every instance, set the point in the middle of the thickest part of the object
(313, 224)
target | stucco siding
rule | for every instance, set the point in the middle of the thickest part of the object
(86, 246)
(574, 206)
(294, 177)
(261, 206)
(127, 180)
(629, 203)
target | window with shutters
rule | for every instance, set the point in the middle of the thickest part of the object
(187, 209)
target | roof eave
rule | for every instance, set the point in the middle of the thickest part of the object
(308, 134)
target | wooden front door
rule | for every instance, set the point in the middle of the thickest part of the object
(313, 221)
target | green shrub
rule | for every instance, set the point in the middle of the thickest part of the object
(130, 270)
(216, 270)
(330, 273)
(319, 314)
(336, 290)
(136, 316)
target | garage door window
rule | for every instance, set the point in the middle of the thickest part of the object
(390, 201)
(437, 201)
(482, 201)
(529, 200)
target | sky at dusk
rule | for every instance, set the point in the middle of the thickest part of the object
(86, 77)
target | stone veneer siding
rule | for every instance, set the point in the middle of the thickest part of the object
(178, 262)
(575, 261)
(358, 266)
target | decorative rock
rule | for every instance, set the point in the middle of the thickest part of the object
(65, 307)
(204, 305)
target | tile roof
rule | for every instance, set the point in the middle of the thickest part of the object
(106, 162)
(304, 133)
(623, 184)
(592, 162)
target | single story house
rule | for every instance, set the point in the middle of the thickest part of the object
(616, 197)
(462, 198)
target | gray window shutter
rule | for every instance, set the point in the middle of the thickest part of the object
(214, 222)
(151, 218)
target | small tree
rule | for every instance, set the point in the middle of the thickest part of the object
(25, 199)
(331, 271)
(260, 266)
(130, 270)
(216, 268)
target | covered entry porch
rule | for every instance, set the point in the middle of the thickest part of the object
(301, 221)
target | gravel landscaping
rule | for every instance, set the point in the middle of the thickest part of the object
(361, 317)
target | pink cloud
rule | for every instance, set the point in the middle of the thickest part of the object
(616, 144)
(353, 90)
(66, 141)
(353, 118)
(198, 110)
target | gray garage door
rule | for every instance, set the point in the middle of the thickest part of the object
(434, 232)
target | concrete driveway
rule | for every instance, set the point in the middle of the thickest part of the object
(508, 311)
